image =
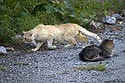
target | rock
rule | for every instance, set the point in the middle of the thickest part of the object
(17, 37)
(9, 48)
(117, 16)
(109, 20)
(3, 50)
(123, 12)
(95, 24)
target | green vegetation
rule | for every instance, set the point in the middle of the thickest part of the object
(99, 67)
(21, 63)
(2, 68)
(19, 15)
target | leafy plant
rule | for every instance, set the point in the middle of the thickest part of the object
(19, 15)
(26, 22)
(99, 67)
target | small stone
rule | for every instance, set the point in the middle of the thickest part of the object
(9, 48)
(123, 11)
(95, 24)
(3, 50)
(16, 37)
(117, 16)
(109, 20)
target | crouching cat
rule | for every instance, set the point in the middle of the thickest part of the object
(64, 33)
(97, 53)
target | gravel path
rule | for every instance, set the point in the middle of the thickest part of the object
(59, 66)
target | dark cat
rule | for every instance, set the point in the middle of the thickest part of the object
(97, 53)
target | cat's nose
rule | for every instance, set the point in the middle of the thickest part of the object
(24, 39)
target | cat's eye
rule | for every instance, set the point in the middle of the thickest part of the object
(30, 34)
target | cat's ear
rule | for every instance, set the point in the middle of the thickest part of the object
(24, 32)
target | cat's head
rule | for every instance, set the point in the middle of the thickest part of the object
(108, 43)
(27, 36)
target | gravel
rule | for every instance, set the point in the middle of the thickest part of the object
(59, 65)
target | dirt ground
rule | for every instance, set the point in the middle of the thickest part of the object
(58, 66)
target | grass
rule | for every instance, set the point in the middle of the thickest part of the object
(29, 51)
(2, 68)
(98, 67)
(29, 13)
(21, 63)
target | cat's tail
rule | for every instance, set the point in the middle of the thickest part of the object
(88, 33)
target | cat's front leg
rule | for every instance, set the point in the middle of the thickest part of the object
(38, 46)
